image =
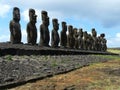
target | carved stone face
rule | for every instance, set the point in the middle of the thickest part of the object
(46, 21)
(55, 24)
(16, 14)
(81, 32)
(70, 28)
(64, 26)
(75, 30)
(45, 18)
(32, 16)
(94, 33)
(102, 35)
(85, 34)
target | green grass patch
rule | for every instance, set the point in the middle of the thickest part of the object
(54, 63)
(9, 58)
(111, 57)
(117, 51)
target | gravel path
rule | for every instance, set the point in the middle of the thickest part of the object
(17, 69)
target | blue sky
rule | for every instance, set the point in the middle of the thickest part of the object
(104, 15)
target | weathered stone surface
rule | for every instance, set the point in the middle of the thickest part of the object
(80, 38)
(15, 28)
(63, 36)
(27, 68)
(76, 46)
(85, 40)
(31, 28)
(44, 31)
(95, 40)
(21, 49)
(103, 42)
(55, 35)
(70, 38)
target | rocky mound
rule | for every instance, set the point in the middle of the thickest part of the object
(15, 70)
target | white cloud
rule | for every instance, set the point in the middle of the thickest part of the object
(4, 38)
(118, 35)
(114, 41)
(104, 11)
(4, 9)
(25, 15)
(24, 36)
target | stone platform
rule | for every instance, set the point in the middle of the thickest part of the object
(24, 49)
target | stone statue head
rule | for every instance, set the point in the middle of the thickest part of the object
(94, 33)
(89, 35)
(47, 21)
(81, 32)
(32, 16)
(44, 15)
(75, 30)
(45, 18)
(70, 29)
(64, 26)
(55, 24)
(102, 35)
(16, 14)
(85, 34)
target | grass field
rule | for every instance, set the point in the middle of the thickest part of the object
(114, 50)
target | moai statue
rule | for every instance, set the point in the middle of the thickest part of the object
(103, 42)
(89, 42)
(31, 28)
(70, 38)
(94, 36)
(54, 35)
(76, 46)
(63, 35)
(44, 31)
(80, 38)
(99, 45)
(85, 40)
(15, 28)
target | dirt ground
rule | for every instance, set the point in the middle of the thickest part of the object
(98, 76)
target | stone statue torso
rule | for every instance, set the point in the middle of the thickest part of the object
(63, 38)
(32, 33)
(55, 38)
(44, 35)
(71, 41)
(15, 29)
